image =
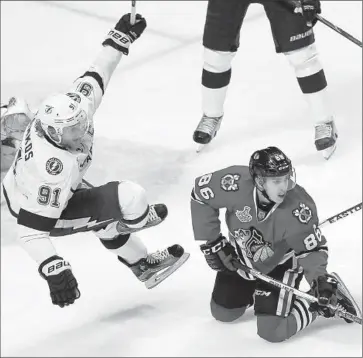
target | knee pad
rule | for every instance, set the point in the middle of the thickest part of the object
(133, 204)
(217, 61)
(273, 329)
(223, 314)
(305, 61)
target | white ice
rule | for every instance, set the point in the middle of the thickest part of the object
(144, 133)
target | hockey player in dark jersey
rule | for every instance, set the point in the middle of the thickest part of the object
(44, 187)
(291, 25)
(273, 228)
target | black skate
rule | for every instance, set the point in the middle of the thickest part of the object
(326, 136)
(157, 214)
(206, 130)
(156, 267)
(345, 299)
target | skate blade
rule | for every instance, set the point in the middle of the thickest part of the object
(200, 147)
(161, 276)
(327, 153)
(348, 294)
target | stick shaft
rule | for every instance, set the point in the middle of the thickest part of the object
(133, 12)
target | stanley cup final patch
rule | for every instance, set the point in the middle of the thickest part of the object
(303, 213)
(228, 182)
(244, 215)
(54, 166)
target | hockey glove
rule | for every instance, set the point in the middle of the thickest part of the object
(62, 284)
(125, 34)
(324, 288)
(219, 254)
(308, 9)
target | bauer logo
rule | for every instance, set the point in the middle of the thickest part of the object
(54, 166)
(301, 36)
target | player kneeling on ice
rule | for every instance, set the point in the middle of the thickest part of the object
(44, 190)
(273, 228)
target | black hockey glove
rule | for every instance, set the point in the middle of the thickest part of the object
(308, 9)
(219, 254)
(324, 288)
(124, 33)
(62, 284)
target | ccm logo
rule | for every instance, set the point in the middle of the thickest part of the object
(214, 249)
(262, 293)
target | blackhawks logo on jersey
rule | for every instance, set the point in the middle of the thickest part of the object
(228, 182)
(303, 213)
(252, 243)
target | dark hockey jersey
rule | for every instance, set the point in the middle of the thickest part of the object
(261, 241)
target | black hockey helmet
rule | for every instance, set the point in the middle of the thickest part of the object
(269, 162)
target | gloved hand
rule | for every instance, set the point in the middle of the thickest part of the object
(309, 9)
(62, 284)
(324, 288)
(124, 33)
(219, 254)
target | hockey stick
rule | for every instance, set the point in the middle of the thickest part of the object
(133, 12)
(339, 30)
(341, 215)
(298, 10)
(339, 311)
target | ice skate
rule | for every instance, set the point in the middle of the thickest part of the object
(156, 267)
(345, 299)
(344, 302)
(157, 214)
(206, 130)
(325, 138)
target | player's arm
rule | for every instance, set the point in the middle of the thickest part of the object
(39, 212)
(94, 81)
(309, 244)
(209, 195)
(42, 206)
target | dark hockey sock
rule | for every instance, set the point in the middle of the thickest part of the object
(214, 90)
(312, 83)
(216, 80)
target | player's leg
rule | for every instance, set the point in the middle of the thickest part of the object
(280, 314)
(231, 296)
(296, 40)
(221, 41)
(118, 210)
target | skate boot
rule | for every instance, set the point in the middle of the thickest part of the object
(157, 214)
(326, 136)
(344, 304)
(345, 299)
(156, 267)
(206, 130)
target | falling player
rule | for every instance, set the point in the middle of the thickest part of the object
(273, 228)
(44, 189)
(293, 36)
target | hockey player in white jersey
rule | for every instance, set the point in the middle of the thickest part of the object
(45, 192)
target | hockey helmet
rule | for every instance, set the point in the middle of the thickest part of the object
(62, 111)
(271, 162)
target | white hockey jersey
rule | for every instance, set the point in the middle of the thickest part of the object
(43, 176)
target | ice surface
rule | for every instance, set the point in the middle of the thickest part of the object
(144, 133)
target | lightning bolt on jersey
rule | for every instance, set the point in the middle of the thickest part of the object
(262, 239)
(43, 176)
